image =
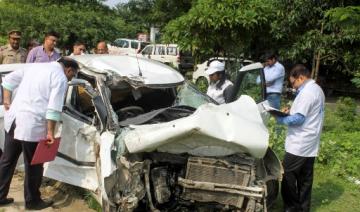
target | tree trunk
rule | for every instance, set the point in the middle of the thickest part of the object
(313, 65)
(315, 73)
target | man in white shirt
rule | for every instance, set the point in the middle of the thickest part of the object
(78, 49)
(30, 117)
(274, 77)
(305, 122)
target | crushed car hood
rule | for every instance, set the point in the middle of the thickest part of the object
(212, 130)
(149, 72)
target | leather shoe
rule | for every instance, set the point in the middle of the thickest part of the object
(38, 205)
(6, 201)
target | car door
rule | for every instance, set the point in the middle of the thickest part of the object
(250, 81)
(80, 138)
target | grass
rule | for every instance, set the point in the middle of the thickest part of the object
(330, 193)
(91, 201)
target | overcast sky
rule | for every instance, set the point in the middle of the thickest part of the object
(112, 3)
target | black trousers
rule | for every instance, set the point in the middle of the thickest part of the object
(297, 182)
(33, 173)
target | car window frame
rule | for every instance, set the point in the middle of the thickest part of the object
(239, 80)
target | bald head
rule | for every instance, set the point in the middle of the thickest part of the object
(101, 48)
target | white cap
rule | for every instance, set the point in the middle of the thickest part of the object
(215, 66)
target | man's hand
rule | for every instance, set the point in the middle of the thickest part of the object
(50, 131)
(6, 99)
(285, 110)
(50, 139)
(6, 106)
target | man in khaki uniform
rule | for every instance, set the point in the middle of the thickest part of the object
(12, 52)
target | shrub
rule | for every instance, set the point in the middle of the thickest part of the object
(341, 152)
(346, 108)
(340, 140)
(277, 137)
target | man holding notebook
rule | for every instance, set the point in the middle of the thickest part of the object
(29, 118)
(305, 121)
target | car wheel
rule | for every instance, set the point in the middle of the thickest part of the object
(202, 84)
(272, 192)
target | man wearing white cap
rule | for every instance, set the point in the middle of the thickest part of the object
(220, 88)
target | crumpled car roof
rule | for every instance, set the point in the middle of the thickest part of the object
(148, 71)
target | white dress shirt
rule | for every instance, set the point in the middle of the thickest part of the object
(41, 87)
(304, 140)
(275, 76)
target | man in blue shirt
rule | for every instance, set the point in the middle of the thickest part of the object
(274, 77)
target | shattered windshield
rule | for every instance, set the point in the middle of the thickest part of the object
(188, 95)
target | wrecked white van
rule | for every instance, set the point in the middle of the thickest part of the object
(142, 139)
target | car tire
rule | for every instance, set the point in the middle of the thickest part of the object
(272, 192)
(202, 84)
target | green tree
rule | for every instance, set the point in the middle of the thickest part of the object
(315, 32)
(221, 27)
(88, 21)
(306, 31)
(346, 22)
(144, 14)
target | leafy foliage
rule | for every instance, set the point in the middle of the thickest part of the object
(346, 109)
(88, 21)
(318, 31)
(314, 32)
(341, 152)
(277, 137)
(213, 27)
(346, 22)
(143, 14)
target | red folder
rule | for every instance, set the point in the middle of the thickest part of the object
(44, 152)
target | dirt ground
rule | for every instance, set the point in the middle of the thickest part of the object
(66, 197)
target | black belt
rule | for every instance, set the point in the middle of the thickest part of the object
(273, 93)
